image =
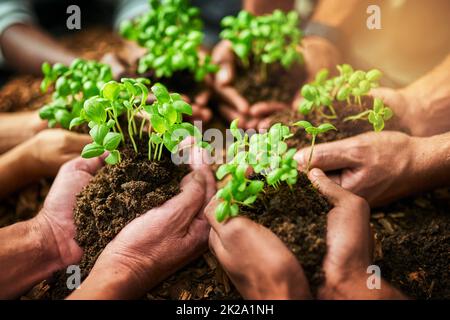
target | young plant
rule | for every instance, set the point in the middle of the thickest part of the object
(172, 33)
(314, 132)
(128, 98)
(266, 39)
(377, 116)
(317, 95)
(73, 86)
(265, 154)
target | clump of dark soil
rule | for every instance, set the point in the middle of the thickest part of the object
(115, 196)
(298, 216)
(278, 84)
(414, 244)
(300, 224)
(344, 129)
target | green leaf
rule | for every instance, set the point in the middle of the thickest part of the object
(223, 210)
(112, 141)
(374, 75)
(158, 123)
(387, 113)
(326, 127)
(92, 150)
(46, 112)
(223, 170)
(161, 93)
(250, 200)
(183, 107)
(303, 124)
(95, 109)
(63, 117)
(235, 131)
(76, 122)
(113, 158)
(98, 133)
(255, 186)
(111, 90)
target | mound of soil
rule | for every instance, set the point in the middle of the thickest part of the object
(413, 234)
(279, 84)
(115, 196)
(300, 224)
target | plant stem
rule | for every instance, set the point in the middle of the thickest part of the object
(313, 142)
(359, 116)
(130, 132)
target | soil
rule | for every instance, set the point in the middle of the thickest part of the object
(412, 235)
(300, 224)
(278, 85)
(116, 195)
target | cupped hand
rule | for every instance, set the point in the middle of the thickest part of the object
(157, 243)
(349, 237)
(349, 246)
(56, 216)
(376, 165)
(51, 148)
(255, 259)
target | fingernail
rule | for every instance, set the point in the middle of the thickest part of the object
(222, 75)
(316, 173)
(299, 157)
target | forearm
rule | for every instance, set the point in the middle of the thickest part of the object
(108, 283)
(25, 47)
(17, 170)
(17, 127)
(333, 13)
(26, 257)
(429, 98)
(357, 288)
(431, 166)
(261, 7)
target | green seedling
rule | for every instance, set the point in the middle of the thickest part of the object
(73, 86)
(172, 34)
(317, 95)
(165, 127)
(265, 154)
(377, 116)
(314, 132)
(266, 39)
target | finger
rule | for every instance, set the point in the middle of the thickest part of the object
(210, 214)
(183, 208)
(262, 109)
(89, 166)
(264, 124)
(77, 141)
(223, 56)
(230, 114)
(296, 102)
(215, 244)
(328, 156)
(202, 98)
(234, 98)
(335, 193)
(252, 124)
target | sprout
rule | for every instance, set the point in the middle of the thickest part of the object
(267, 39)
(377, 116)
(313, 131)
(171, 33)
(73, 86)
(164, 119)
(265, 154)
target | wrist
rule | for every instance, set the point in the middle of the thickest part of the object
(110, 281)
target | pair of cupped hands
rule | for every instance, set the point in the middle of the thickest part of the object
(164, 239)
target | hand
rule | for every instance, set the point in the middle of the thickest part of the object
(255, 259)
(51, 148)
(18, 127)
(318, 53)
(155, 244)
(349, 245)
(118, 67)
(56, 217)
(413, 115)
(375, 166)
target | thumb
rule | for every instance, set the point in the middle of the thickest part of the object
(327, 156)
(335, 193)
